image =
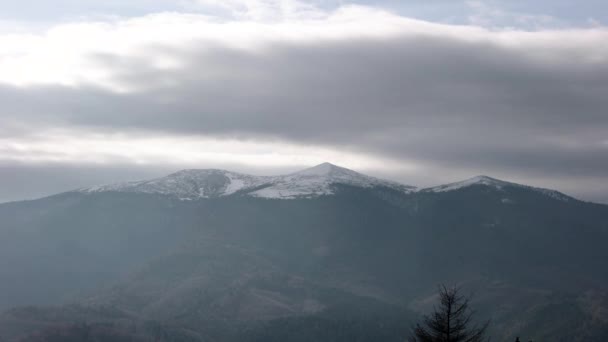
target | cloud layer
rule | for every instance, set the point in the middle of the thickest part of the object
(430, 102)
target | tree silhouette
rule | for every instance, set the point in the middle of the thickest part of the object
(451, 322)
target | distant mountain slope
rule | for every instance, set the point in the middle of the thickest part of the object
(237, 255)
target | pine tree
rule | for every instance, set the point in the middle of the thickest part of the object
(451, 322)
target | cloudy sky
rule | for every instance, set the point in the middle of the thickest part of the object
(423, 92)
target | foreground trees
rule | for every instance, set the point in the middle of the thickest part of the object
(451, 321)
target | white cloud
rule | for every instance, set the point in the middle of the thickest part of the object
(65, 54)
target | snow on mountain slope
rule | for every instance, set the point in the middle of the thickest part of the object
(309, 183)
(190, 184)
(194, 184)
(496, 184)
(479, 180)
(318, 181)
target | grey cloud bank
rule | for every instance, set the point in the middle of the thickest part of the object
(454, 101)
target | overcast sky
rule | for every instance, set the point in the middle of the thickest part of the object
(423, 92)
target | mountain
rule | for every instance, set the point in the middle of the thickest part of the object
(495, 184)
(322, 254)
(197, 184)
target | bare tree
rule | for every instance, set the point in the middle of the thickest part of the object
(451, 322)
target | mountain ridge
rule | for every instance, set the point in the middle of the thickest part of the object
(209, 183)
(497, 184)
(319, 180)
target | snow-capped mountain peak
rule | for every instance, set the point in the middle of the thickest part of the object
(321, 180)
(496, 184)
(478, 180)
(194, 184)
(190, 184)
(324, 169)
